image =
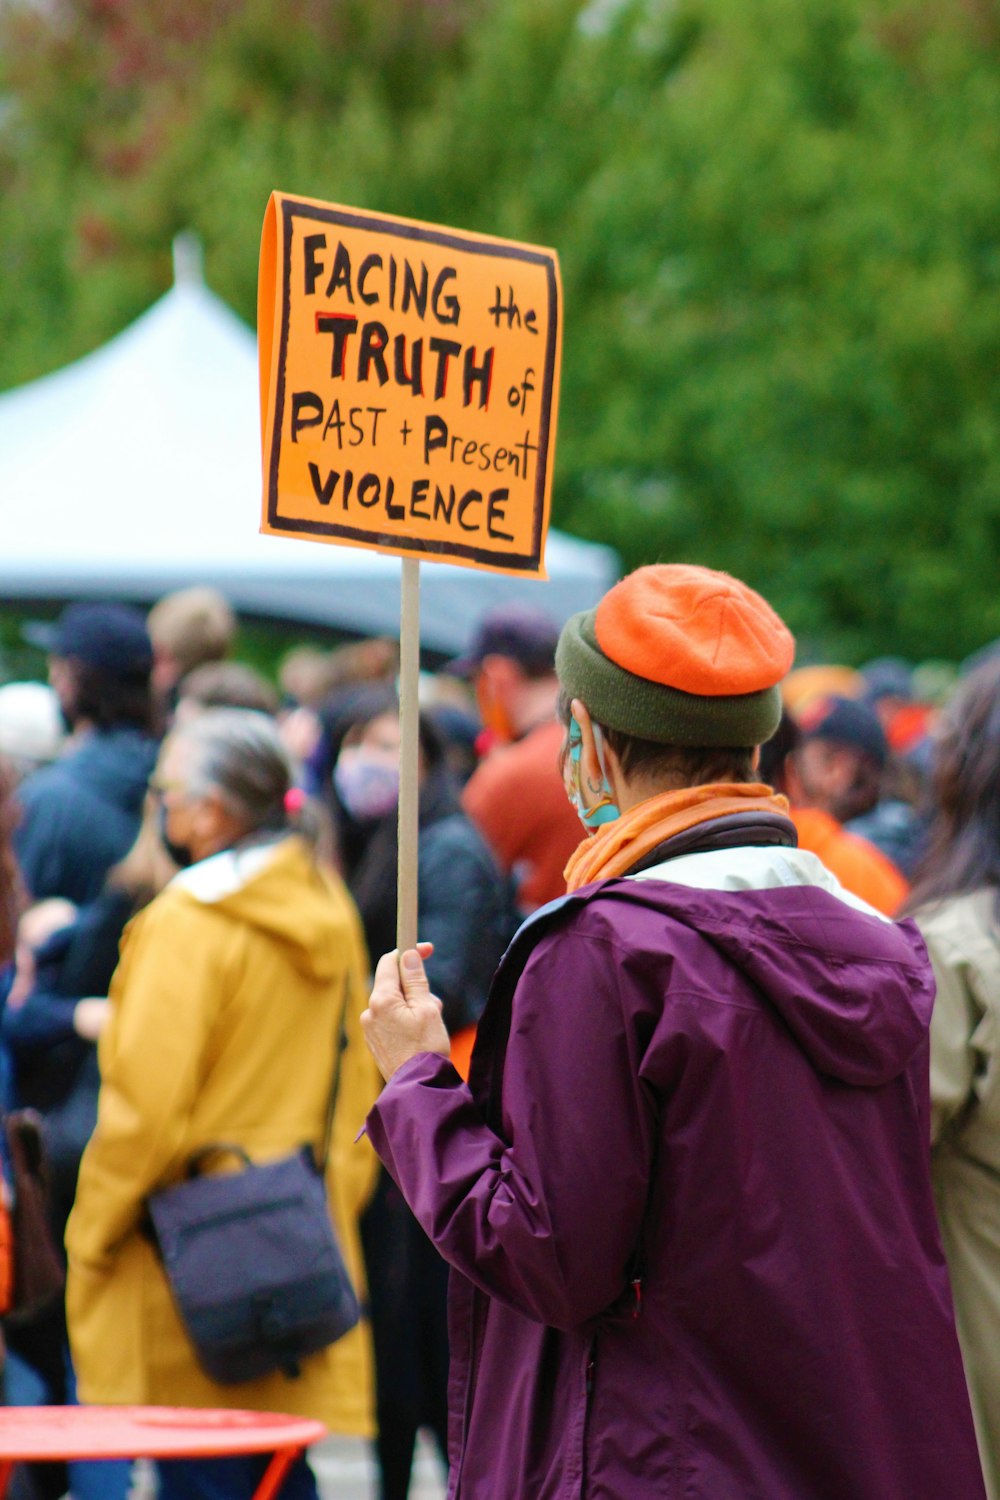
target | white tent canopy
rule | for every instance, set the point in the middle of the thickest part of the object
(136, 470)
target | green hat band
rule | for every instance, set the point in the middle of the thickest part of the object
(648, 710)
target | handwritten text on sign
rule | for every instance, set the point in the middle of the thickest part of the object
(409, 385)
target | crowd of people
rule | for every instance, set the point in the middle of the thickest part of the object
(198, 878)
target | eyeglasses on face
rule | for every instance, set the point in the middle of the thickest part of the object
(160, 789)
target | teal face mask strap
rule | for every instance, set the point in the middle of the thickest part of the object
(607, 810)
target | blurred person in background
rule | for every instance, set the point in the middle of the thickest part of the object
(11, 902)
(515, 797)
(9, 907)
(224, 684)
(81, 814)
(896, 822)
(956, 902)
(188, 628)
(887, 688)
(55, 1012)
(464, 909)
(459, 730)
(225, 1011)
(57, 1006)
(311, 679)
(10, 880)
(32, 730)
(819, 680)
(830, 768)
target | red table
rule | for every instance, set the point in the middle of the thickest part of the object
(31, 1434)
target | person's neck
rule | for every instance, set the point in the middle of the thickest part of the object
(629, 794)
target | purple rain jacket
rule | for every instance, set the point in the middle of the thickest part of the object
(686, 1198)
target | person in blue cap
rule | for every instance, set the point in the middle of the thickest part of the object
(81, 814)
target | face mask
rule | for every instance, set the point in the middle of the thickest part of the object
(180, 853)
(369, 789)
(607, 809)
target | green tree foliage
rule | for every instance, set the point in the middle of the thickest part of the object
(778, 223)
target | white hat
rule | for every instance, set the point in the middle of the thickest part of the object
(31, 726)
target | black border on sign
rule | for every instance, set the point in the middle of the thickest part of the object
(515, 561)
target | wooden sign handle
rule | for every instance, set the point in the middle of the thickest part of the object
(409, 751)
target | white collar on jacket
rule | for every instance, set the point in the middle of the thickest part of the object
(221, 875)
(754, 868)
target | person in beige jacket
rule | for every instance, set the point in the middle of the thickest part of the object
(956, 902)
(225, 1009)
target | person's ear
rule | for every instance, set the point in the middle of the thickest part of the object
(591, 774)
(213, 824)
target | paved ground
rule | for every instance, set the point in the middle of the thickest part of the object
(344, 1469)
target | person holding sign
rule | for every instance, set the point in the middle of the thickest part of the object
(686, 1192)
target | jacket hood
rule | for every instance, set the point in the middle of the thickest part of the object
(856, 991)
(276, 888)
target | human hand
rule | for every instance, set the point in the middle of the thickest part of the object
(35, 927)
(44, 919)
(90, 1017)
(403, 1017)
(23, 982)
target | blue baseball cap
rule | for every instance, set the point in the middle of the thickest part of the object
(111, 637)
(843, 721)
(521, 631)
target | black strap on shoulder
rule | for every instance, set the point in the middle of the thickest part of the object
(339, 1045)
(486, 1076)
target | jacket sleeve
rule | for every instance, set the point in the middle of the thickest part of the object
(546, 1216)
(39, 839)
(460, 898)
(152, 1060)
(39, 1023)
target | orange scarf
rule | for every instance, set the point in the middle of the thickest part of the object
(620, 845)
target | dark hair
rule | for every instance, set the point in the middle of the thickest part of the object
(357, 707)
(679, 765)
(963, 851)
(11, 893)
(774, 753)
(228, 684)
(109, 700)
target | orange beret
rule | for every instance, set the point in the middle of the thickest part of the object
(694, 630)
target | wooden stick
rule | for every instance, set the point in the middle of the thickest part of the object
(409, 725)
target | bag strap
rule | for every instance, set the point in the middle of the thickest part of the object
(339, 1044)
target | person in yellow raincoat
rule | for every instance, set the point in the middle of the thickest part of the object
(224, 1011)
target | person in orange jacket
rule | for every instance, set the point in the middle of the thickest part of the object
(828, 765)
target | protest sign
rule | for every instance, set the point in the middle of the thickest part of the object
(409, 380)
(409, 386)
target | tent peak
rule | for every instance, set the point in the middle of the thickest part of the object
(189, 259)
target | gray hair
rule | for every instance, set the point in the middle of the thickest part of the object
(237, 754)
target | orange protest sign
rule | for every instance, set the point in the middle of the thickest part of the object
(409, 380)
